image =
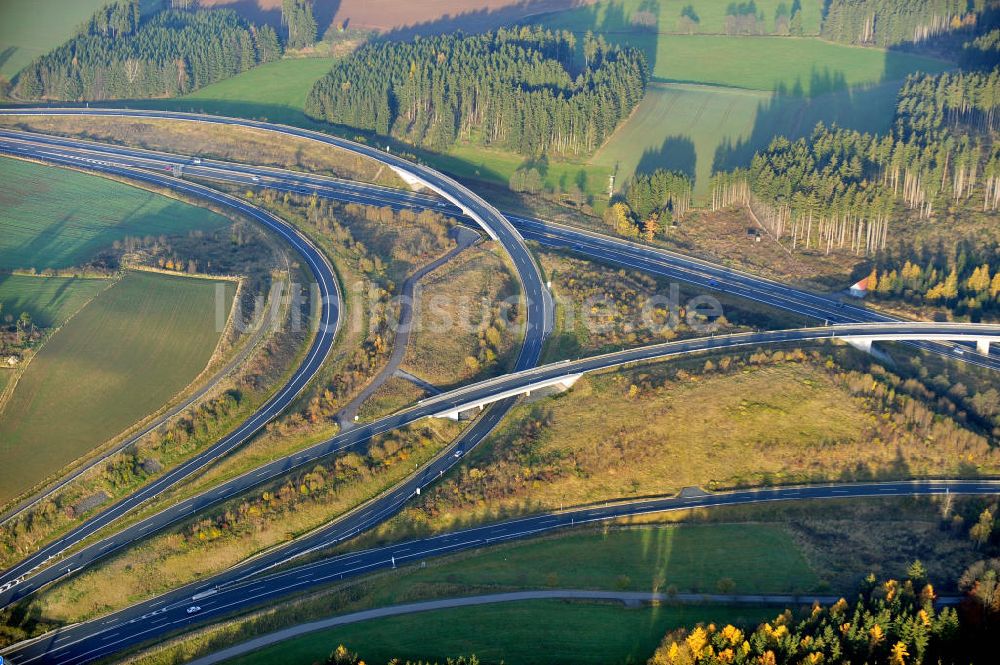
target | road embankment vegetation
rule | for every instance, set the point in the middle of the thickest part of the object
(224, 142)
(822, 548)
(462, 331)
(761, 418)
(373, 249)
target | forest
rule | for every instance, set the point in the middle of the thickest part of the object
(890, 623)
(839, 188)
(888, 23)
(650, 203)
(966, 282)
(521, 89)
(117, 55)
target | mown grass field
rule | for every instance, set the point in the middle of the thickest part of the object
(49, 300)
(58, 218)
(543, 632)
(122, 357)
(30, 28)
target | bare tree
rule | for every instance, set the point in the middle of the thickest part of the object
(133, 68)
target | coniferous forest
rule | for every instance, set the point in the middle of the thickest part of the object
(521, 89)
(118, 55)
(838, 188)
(891, 22)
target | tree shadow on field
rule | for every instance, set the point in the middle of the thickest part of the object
(676, 153)
(480, 20)
(6, 55)
(43, 246)
(252, 11)
(794, 111)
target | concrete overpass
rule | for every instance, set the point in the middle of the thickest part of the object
(561, 376)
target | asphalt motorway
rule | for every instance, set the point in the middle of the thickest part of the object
(25, 577)
(538, 315)
(327, 324)
(503, 388)
(150, 620)
(633, 255)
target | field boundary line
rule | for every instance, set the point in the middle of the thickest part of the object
(23, 367)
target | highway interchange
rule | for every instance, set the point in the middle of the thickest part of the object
(633, 255)
(327, 326)
(80, 643)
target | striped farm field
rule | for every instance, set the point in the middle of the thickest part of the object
(123, 356)
(58, 218)
(48, 300)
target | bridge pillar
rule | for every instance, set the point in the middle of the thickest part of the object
(983, 346)
(413, 181)
(460, 414)
(560, 386)
(861, 343)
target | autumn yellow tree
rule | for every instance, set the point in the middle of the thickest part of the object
(979, 281)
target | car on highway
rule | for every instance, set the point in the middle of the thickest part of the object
(194, 609)
(255, 178)
(196, 160)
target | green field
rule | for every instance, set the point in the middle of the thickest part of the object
(122, 357)
(757, 558)
(714, 101)
(49, 300)
(804, 66)
(497, 166)
(276, 91)
(543, 632)
(809, 65)
(58, 218)
(695, 128)
(30, 28)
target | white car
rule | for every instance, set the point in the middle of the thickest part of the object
(255, 178)
(194, 609)
(196, 160)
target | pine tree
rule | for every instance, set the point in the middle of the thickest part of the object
(298, 16)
